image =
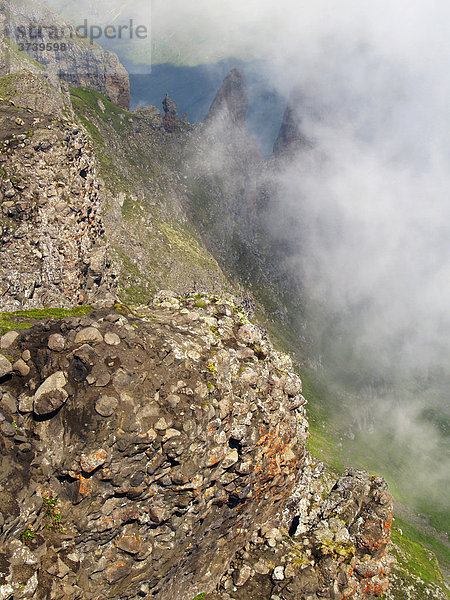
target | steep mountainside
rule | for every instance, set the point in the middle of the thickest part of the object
(158, 450)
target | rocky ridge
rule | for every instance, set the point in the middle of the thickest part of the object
(52, 250)
(143, 441)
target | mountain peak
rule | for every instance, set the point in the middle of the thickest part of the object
(291, 137)
(231, 101)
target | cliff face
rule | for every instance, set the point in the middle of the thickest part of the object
(53, 251)
(80, 62)
(162, 453)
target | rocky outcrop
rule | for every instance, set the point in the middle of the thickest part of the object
(291, 137)
(170, 114)
(52, 249)
(231, 102)
(337, 547)
(152, 113)
(155, 451)
(78, 61)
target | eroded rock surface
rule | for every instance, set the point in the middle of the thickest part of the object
(182, 473)
(52, 250)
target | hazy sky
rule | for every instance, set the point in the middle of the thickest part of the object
(367, 210)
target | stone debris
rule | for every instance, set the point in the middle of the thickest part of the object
(5, 367)
(51, 395)
(8, 339)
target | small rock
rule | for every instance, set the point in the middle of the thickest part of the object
(59, 569)
(100, 379)
(106, 405)
(289, 572)
(56, 342)
(230, 459)
(161, 424)
(170, 433)
(8, 339)
(261, 567)
(244, 353)
(26, 355)
(137, 479)
(241, 576)
(8, 429)
(92, 461)
(89, 335)
(173, 400)
(117, 572)
(129, 543)
(5, 367)
(50, 395)
(278, 573)
(112, 339)
(156, 514)
(9, 403)
(249, 334)
(245, 468)
(21, 367)
(25, 403)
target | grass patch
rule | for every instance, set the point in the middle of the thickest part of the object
(20, 319)
(415, 559)
(427, 541)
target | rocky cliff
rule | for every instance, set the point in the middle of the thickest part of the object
(159, 450)
(57, 53)
(162, 452)
(52, 251)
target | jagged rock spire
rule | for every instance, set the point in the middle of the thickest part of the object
(290, 137)
(231, 102)
(171, 113)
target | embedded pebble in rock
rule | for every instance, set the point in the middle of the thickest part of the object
(249, 334)
(26, 355)
(51, 395)
(21, 367)
(130, 544)
(106, 405)
(26, 403)
(8, 339)
(89, 335)
(56, 342)
(242, 576)
(9, 403)
(5, 367)
(92, 461)
(112, 339)
(278, 573)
